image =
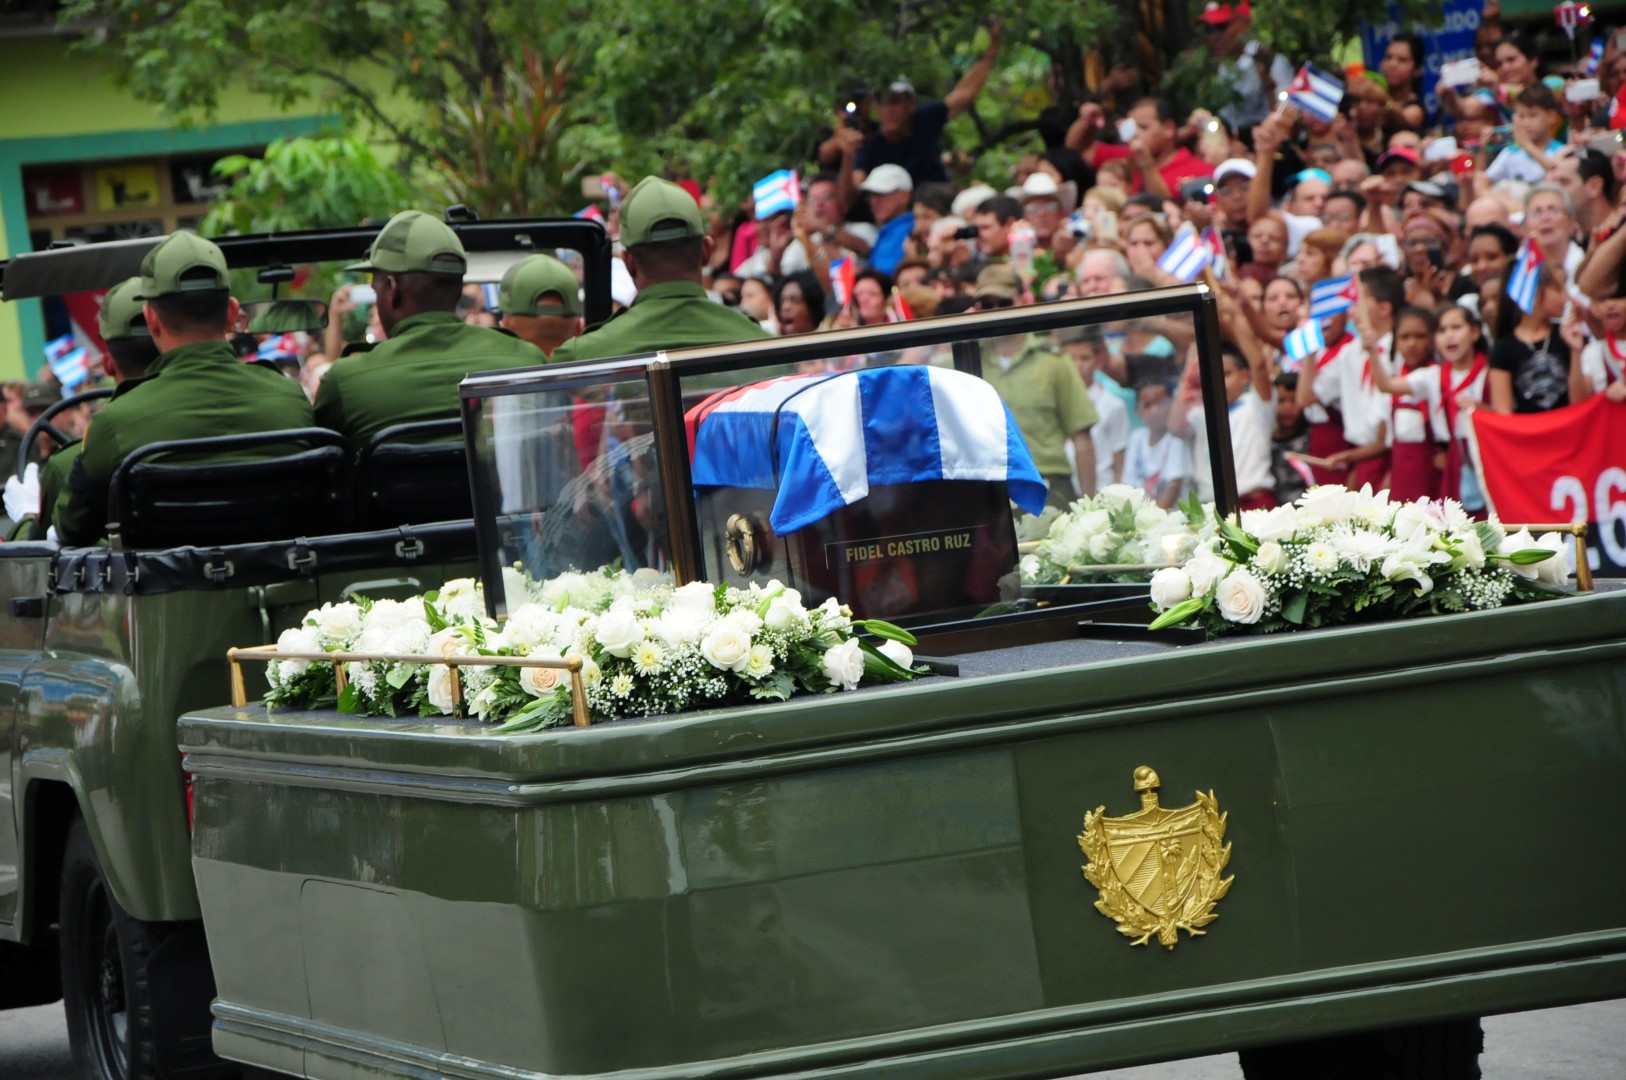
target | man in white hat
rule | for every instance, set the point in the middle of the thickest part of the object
(889, 190)
(1045, 206)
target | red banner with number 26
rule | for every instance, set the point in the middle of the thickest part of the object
(1562, 466)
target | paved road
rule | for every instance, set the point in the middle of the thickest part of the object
(1578, 1043)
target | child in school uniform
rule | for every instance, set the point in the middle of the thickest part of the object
(1317, 391)
(1366, 409)
(1156, 461)
(1415, 458)
(1602, 369)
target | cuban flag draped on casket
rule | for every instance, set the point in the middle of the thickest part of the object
(824, 440)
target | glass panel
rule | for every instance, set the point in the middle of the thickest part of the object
(910, 480)
(569, 479)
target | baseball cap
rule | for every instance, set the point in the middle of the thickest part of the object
(40, 396)
(967, 201)
(1234, 167)
(1399, 153)
(657, 210)
(183, 263)
(413, 242)
(121, 315)
(898, 88)
(998, 280)
(887, 179)
(532, 278)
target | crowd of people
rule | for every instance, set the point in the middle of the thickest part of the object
(1421, 211)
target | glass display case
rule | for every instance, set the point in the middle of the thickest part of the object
(904, 469)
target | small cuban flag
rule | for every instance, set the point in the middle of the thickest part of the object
(1305, 341)
(1593, 58)
(843, 276)
(1317, 93)
(1216, 247)
(1332, 297)
(69, 360)
(1523, 276)
(777, 192)
(1186, 256)
(822, 441)
(589, 213)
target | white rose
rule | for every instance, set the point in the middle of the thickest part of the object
(743, 619)
(439, 688)
(338, 624)
(619, 630)
(1170, 586)
(844, 664)
(1091, 522)
(1101, 545)
(541, 681)
(1149, 517)
(679, 628)
(727, 647)
(447, 642)
(785, 611)
(1519, 541)
(696, 599)
(1119, 492)
(1205, 569)
(1270, 557)
(897, 652)
(1241, 597)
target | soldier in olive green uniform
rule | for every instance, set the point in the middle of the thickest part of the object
(197, 388)
(417, 263)
(122, 325)
(540, 302)
(1043, 390)
(666, 246)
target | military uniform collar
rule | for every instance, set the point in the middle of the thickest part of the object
(204, 351)
(424, 318)
(671, 290)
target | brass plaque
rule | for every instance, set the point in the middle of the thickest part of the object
(1158, 870)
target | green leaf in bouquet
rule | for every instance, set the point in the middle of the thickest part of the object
(432, 614)
(1240, 542)
(399, 675)
(1531, 589)
(1293, 607)
(1490, 535)
(1192, 507)
(1179, 613)
(778, 687)
(350, 699)
(883, 629)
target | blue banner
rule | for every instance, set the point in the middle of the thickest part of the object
(1454, 40)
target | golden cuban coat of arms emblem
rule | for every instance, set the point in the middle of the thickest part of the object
(1158, 870)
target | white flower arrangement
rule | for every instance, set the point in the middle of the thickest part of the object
(645, 647)
(1120, 527)
(1337, 555)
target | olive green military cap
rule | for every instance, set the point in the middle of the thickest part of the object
(999, 281)
(659, 210)
(183, 263)
(534, 277)
(415, 242)
(121, 315)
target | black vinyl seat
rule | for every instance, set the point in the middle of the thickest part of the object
(411, 474)
(162, 496)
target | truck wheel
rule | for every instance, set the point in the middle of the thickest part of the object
(1448, 1050)
(104, 983)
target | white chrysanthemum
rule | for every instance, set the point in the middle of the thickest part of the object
(1361, 548)
(759, 664)
(592, 674)
(1454, 517)
(678, 628)
(743, 619)
(1320, 557)
(296, 639)
(621, 685)
(462, 598)
(648, 658)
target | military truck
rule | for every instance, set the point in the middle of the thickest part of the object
(104, 647)
(1076, 844)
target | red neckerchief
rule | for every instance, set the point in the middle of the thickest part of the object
(1620, 361)
(1331, 352)
(1366, 368)
(1448, 392)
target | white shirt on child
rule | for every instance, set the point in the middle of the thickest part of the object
(1149, 466)
(1601, 364)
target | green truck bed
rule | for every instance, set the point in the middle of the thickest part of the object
(889, 883)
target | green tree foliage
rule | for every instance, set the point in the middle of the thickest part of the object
(511, 101)
(306, 183)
